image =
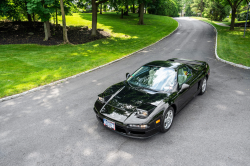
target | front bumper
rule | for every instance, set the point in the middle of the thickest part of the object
(128, 131)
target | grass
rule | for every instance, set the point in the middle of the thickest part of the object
(229, 23)
(232, 46)
(23, 67)
(226, 22)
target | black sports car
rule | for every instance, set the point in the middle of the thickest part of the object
(147, 101)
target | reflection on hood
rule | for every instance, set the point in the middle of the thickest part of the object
(128, 100)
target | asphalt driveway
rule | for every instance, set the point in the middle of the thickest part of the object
(57, 125)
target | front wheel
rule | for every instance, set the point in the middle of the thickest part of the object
(167, 120)
(203, 86)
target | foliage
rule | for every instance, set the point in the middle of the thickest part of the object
(242, 13)
(198, 6)
(44, 8)
(243, 16)
(120, 4)
(226, 20)
(13, 9)
(216, 11)
(164, 7)
(74, 9)
(4, 8)
(27, 66)
(188, 10)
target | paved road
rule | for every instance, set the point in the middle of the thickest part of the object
(57, 126)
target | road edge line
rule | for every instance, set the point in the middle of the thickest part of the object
(74, 76)
(222, 60)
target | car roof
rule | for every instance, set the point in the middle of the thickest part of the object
(169, 64)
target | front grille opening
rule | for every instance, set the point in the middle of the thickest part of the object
(137, 132)
(120, 129)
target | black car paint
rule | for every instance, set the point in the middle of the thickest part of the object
(121, 108)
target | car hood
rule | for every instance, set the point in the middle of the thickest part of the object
(125, 102)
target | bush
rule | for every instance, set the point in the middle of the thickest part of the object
(243, 16)
(226, 20)
(166, 8)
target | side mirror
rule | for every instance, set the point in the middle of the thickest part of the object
(127, 75)
(183, 87)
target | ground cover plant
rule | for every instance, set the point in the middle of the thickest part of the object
(25, 66)
(232, 46)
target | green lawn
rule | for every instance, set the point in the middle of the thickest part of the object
(23, 67)
(232, 46)
(225, 22)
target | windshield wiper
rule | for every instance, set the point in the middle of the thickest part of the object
(130, 84)
(147, 89)
(139, 87)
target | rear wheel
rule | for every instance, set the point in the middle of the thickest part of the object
(167, 120)
(203, 86)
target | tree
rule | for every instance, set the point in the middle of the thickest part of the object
(15, 9)
(198, 6)
(141, 12)
(163, 7)
(188, 10)
(126, 9)
(4, 8)
(100, 8)
(65, 36)
(94, 15)
(234, 5)
(133, 8)
(44, 9)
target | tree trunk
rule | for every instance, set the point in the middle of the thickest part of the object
(28, 15)
(65, 36)
(56, 18)
(47, 30)
(101, 9)
(105, 8)
(29, 18)
(139, 10)
(34, 17)
(141, 14)
(126, 12)
(122, 13)
(233, 18)
(133, 8)
(94, 18)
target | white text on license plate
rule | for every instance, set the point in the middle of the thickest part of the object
(109, 124)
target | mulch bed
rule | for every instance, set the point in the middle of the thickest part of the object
(23, 33)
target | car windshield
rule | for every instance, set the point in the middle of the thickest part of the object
(155, 78)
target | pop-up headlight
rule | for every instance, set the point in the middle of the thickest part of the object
(141, 113)
(101, 99)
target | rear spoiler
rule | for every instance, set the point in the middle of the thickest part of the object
(187, 61)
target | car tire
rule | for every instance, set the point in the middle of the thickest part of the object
(167, 119)
(203, 86)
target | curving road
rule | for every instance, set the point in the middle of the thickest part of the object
(57, 126)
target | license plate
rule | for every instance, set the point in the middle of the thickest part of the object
(109, 124)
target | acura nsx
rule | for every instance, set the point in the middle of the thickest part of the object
(147, 101)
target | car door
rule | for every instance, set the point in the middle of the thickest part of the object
(185, 76)
(192, 81)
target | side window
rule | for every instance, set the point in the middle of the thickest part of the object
(184, 74)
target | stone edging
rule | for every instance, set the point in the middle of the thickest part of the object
(222, 60)
(74, 76)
